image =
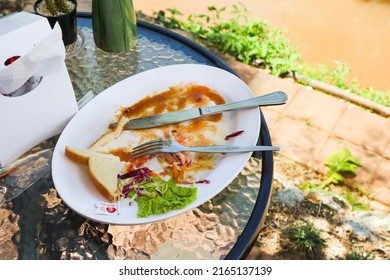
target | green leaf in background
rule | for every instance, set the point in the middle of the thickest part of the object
(339, 163)
(342, 161)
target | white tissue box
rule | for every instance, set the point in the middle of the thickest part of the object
(31, 118)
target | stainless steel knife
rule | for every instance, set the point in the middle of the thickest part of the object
(274, 98)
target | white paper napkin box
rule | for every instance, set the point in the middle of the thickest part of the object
(31, 118)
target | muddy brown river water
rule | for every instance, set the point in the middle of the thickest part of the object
(356, 32)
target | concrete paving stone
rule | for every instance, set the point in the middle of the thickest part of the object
(297, 140)
(271, 116)
(363, 128)
(369, 161)
(317, 109)
(382, 195)
(386, 152)
(380, 187)
(263, 83)
(244, 71)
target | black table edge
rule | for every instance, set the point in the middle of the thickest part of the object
(252, 229)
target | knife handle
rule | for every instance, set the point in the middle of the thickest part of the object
(274, 98)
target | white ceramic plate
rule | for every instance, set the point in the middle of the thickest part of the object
(72, 180)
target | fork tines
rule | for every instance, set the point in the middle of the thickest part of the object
(147, 148)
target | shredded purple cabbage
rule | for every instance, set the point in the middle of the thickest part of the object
(127, 188)
(144, 171)
(138, 176)
(138, 191)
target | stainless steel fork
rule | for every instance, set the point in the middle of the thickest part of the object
(167, 145)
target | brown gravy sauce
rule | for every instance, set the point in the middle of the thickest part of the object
(177, 98)
(123, 155)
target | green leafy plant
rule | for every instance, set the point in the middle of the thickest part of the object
(255, 42)
(359, 256)
(336, 75)
(355, 203)
(306, 239)
(340, 163)
(249, 41)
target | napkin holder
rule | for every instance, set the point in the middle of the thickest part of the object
(43, 111)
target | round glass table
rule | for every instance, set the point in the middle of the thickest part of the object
(38, 225)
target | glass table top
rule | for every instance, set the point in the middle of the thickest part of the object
(38, 225)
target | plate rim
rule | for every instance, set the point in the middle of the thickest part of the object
(160, 217)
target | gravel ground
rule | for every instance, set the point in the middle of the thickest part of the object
(346, 233)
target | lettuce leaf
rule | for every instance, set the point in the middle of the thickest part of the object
(174, 197)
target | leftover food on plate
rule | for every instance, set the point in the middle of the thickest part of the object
(159, 182)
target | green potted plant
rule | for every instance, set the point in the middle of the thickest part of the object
(63, 12)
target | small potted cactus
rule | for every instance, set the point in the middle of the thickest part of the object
(63, 12)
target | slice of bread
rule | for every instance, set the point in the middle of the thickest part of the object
(79, 155)
(102, 168)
